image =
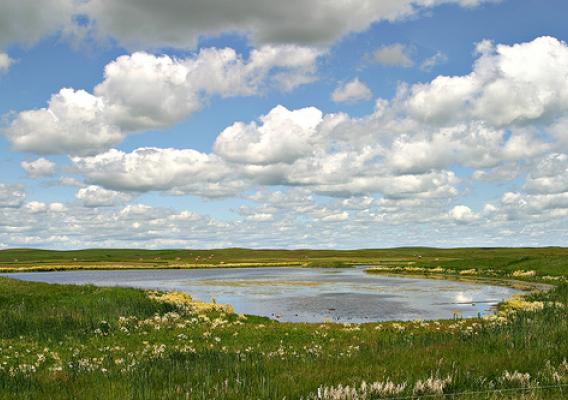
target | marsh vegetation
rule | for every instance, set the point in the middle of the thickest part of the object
(87, 342)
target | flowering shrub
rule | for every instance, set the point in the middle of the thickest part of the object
(185, 302)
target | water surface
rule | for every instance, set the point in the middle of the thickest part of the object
(305, 294)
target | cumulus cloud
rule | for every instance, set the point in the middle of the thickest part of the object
(501, 173)
(147, 169)
(74, 122)
(11, 196)
(133, 83)
(392, 168)
(509, 85)
(394, 55)
(394, 141)
(473, 145)
(283, 137)
(38, 207)
(387, 175)
(538, 208)
(549, 175)
(398, 151)
(298, 148)
(351, 92)
(78, 122)
(59, 225)
(463, 214)
(39, 168)
(95, 196)
(297, 220)
(542, 198)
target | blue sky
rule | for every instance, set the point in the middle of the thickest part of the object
(348, 125)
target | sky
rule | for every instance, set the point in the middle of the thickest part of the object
(299, 124)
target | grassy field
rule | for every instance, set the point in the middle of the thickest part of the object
(85, 342)
(545, 262)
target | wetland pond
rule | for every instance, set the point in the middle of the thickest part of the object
(305, 294)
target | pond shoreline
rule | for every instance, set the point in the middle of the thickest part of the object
(529, 286)
(306, 294)
(121, 266)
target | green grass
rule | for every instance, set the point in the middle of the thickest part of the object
(70, 342)
(544, 261)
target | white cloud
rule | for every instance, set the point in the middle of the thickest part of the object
(346, 174)
(39, 168)
(473, 145)
(468, 144)
(549, 176)
(147, 169)
(133, 83)
(296, 220)
(38, 207)
(516, 206)
(430, 185)
(559, 131)
(5, 62)
(501, 173)
(433, 61)
(351, 92)
(394, 55)
(296, 65)
(284, 136)
(387, 175)
(11, 196)
(95, 196)
(74, 122)
(135, 225)
(292, 148)
(397, 151)
(57, 207)
(544, 196)
(463, 214)
(78, 122)
(519, 84)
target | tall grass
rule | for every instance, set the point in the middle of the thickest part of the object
(84, 342)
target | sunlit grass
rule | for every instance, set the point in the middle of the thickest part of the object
(523, 263)
(87, 342)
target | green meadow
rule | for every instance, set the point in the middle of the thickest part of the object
(545, 261)
(87, 342)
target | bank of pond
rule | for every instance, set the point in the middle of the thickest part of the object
(92, 341)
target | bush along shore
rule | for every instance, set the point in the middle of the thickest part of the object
(87, 342)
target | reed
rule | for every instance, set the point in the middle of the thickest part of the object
(86, 342)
